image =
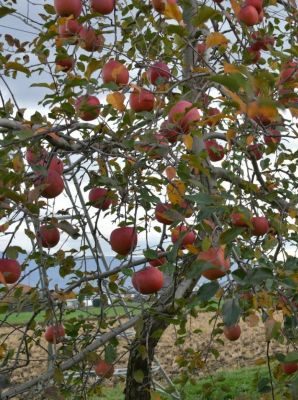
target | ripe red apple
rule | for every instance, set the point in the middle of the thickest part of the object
(170, 131)
(255, 150)
(104, 369)
(272, 137)
(162, 213)
(158, 73)
(148, 280)
(248, 15)
(52, 182)
(184, 114)
(141, 100)
(90, 40)
(66, 8)
(56, 164)
(232, 332)
(157, 262)
(240, 219)
(289, 72)
(183, 233)
(254, 55)
(124, 240)
(257, 4)
(36, 156)
(289, 367)
(49, 236)
(215, 150)
(87, 107)
(54, 333)
(201, 48)
(65, 63)
(216, 257)
(260, 226)
(115, 71)
(10, 269)
(102, 6)
(102, 198)
(69, 28)
(160, 5)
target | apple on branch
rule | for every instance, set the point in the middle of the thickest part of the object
(10, 269)
(148, 280)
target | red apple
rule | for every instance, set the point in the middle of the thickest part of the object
(90, 40)
(102, 6)
(52, 182)
(69, 28)
(184, 114)
(289, 72)
(141, 100)
(10, 269)
(201, 48)
(272, 137)
(104, 369)
(36, 156)
(56, 165)
(257, 4)
(102, 198)
(157, 262)
(254, 55)
(49, 236)
(148, 280)
(162, 213)
(158, 73)
(87, 107)
(160, 5)
(184, 234)
(255, 150)
(65, 63)
(248, 15)
(66, 8)
(215, 150)
(260, 226)
(115, 71)
(289, 367)
(54, 333)
(170, 131)
(124, 240)
(261, 42)
(240, 219)
(232, 332)
(216, 257)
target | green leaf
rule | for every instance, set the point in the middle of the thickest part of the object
(5, 11)
(233, 81)
(150, 254)
(110, 353)
(229, 235)
(291, 357)
(49, 9)
(204, 13)
(207, 291)
(230, 312)
(138, 376)
(17, 67)
(260, 274)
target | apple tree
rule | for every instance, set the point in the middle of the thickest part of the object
(163, 132)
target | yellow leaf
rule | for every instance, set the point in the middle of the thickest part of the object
(192, 249)
(231, 134)
(237, 100)
(262, 110)
(235, 6)
(175, 191)
(172, 11)
(231, 68)
(250, 139)
(170, 173)
(4, 227)
(93, 66)
(216, 39)
(116, 100)
(17, 163)
(292, 213)
(188, 141)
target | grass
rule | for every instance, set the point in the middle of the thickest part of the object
(240, 384)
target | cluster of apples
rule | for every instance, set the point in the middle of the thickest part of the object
(251, 13)
(258, 226)
(48, 173)
(260, 42)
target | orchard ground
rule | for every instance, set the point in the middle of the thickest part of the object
(247, 353)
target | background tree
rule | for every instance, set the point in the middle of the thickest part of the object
(164, 130)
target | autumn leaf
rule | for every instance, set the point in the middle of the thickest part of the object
(17, 163)
(170, 173)
(172, 11)
(188, 141)
(176, 191)
(216, 39)
(235, 6)
(116, 100)
(231, 68)
(93, 66)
